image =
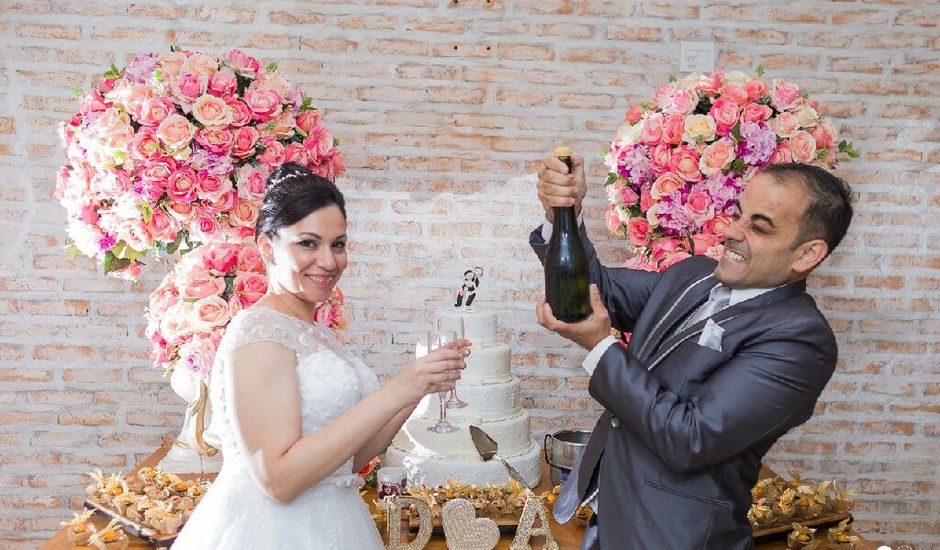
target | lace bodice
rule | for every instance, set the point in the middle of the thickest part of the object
(331, 380)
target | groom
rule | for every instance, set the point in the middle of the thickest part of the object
(724, 359)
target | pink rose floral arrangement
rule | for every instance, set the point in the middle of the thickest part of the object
(679, 162)
(174, 149)
(189, 311)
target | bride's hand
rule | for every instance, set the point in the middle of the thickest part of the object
(435, 372)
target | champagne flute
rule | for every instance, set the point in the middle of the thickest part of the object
(454, 324)
(438, 340)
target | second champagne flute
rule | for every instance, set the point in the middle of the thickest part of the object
(437, 340)
(454, 324)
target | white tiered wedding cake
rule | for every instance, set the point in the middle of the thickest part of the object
(492, 394)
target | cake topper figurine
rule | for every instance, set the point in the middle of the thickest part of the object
(468, 290)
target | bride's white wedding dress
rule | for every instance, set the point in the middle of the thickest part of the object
(235, 514)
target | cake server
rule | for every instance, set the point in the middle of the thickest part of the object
(487, 448)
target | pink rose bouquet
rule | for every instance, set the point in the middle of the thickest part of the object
(173, 151)
(678, 162)
(189, 311)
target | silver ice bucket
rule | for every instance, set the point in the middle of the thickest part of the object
(562, 451)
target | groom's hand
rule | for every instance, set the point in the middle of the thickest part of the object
(588, 332)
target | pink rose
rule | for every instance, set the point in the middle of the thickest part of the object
(710, 83)
(241, 116)
(197, 355)
(130, 272)
(308, 120)
(640, 262)
(725, 113)
(755, 112)
(673, 259)
(681, 102)
(634, 114)
(263, 104)
(224, 203)
(175, 132)
(211, 312)
(296, 153)
(158, 169)
(212, 111)
(188, 87)
(786, 96)
(612, 219)
(152, 111)
(660, 248)
(221, 258)
(717, 156)
(245, 213)
(701, 243)
(249, 259)
(145, 144)
(684, 162)
(735, 94)
(215, 140)
(223, 83)
(755, 88)
(627, 196)
(250, 181)
(202, 286)
(646, 197)
(639, 231)
(273, 154)
(802, 146)
(716, 226)
(244, 142)
(781, 154)
(824, 134)
(181, 186)
(281, 126)
(243, 64)
(652, 131)
(673, 128)
(785, 124)
(184, 212)
(338, 161)
(251, 286)
(162, 226)
(665, 184)
(659, 158)
(205, 229)
(699, 207)
(210, 187)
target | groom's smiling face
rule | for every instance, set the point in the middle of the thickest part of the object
(761, 243)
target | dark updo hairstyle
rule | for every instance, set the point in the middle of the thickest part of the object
(292, 193)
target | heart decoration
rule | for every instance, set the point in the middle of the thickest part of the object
(463, 530)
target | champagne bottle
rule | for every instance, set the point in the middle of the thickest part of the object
(566, 263)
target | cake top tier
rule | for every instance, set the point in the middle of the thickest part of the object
(479, 326)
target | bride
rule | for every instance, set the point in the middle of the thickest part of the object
(298, 414)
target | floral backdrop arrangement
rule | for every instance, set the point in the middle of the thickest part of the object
(678, 162)
(171, 154)
(174, 149)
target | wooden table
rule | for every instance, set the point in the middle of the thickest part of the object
(568, 536)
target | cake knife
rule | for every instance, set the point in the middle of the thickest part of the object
(487, 448)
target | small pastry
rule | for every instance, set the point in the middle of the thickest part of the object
(800, 537)
(79, 528)
(111, 537)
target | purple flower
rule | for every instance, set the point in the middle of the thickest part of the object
(140, 69)
(218, 165)
(759, 143)
(106, 242)
(634, 166)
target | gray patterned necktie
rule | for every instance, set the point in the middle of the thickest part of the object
(718, 299)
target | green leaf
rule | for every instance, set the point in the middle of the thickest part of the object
(611, 178)
(736, 132)
(120, 156)
(175, 48)
(849, 149)
(822, 153)
(737, 166)
(272, 67)
(759, 70)
(146, 210)
(158, 76)
(229, 287)
(175, 245)
(672, 78)
(71, 250)
(805, 95)
(601, 153)
(113, 72)
(335, 142)
(77, 91)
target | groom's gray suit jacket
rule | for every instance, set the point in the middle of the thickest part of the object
(685, 426)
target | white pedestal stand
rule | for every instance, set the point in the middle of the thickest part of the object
(184, 456)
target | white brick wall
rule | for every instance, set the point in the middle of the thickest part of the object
(440, 106)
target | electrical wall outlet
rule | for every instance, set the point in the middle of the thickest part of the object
(696, 56)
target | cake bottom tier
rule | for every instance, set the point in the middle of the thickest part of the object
(431, 471)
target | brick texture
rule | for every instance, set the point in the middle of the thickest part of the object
(441, 106)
